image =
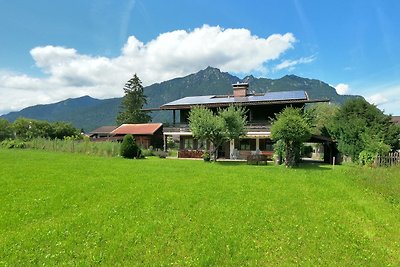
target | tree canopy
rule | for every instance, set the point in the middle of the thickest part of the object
(319, 116)
(226, 125)
(292, 128)
(5, 129)
(360, 126)
(132, 103)
(26, 129)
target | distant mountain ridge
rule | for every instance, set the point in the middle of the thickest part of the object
(89, 113)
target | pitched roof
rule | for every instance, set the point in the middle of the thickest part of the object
(138, 129)
(104, 130)
(226, 100)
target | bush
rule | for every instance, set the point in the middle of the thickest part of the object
(206, 156)
(13, 144)
(161, 154)
(306, 151)
(366, 157)
(148, 153)
(279, 152)
(129, 148)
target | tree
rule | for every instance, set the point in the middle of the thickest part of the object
(319, 116)
(129, 148)
(63, 129)
(292, 128)
(5, 130)
(226, 125)
(359, 125)
(27, 129)
(132, 103)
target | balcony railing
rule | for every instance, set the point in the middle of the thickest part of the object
(250, 127)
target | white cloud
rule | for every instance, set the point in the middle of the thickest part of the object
(388, 98)
(377, 99)
(171, 54)
(342, 88)
(290, 64)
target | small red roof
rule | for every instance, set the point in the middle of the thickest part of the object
(138, 129)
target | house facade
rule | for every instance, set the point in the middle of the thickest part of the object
(102, 133)
(260, 110)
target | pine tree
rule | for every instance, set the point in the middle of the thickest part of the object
(132, 103)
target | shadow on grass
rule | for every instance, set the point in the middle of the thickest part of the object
(315, 166)
(312, 166)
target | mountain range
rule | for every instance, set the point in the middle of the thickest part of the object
(89, 113)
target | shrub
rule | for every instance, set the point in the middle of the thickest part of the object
(279, 152)
(13, 144)
(306, 151)
(161, 154)
(366, 157)
(148, 153)
(129, 148)
(206, 156)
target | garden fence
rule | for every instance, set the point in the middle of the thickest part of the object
(388, 160)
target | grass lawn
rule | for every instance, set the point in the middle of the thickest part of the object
(69, 209)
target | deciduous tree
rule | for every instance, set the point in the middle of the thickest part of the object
(217, 128)
(358, 124)
(292, 128)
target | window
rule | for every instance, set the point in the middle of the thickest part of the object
(201, 144)
(188, 143)
(245, 144)
(266, 145)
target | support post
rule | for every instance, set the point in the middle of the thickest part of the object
(165, 143)
(231, 149)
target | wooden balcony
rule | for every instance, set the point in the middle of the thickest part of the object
(250, 127)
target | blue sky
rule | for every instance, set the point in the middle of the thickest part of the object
(53, 50)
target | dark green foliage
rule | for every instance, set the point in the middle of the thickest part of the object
(27, 129)
(306, 151)
(291, 127)
(206, 156)
(132, 103)
(5, 130)
(359, 125)
(129, 148)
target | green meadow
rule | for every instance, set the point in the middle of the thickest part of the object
(71, 209)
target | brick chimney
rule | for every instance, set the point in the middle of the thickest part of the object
(240, 89)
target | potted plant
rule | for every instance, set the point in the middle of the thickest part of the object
(206, 156)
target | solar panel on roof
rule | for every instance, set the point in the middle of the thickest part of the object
(211, 99)
(286, 95)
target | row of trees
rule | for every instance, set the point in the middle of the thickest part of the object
(361, 130)
(27, 129)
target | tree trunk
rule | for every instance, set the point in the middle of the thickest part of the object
(290, 160)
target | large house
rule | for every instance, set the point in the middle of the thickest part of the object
(261, 108)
